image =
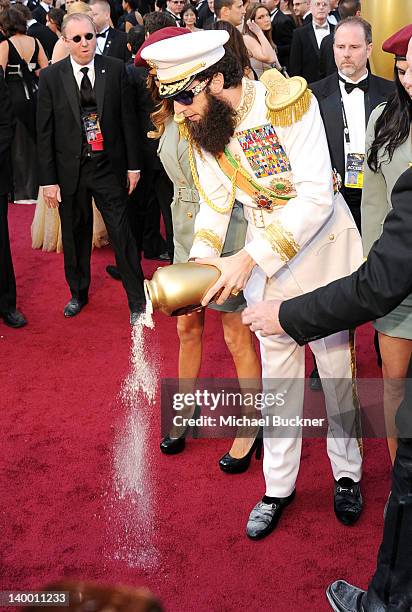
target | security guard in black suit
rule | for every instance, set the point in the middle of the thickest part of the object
(379, 285)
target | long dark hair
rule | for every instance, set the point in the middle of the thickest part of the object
(393, 126)
(235, 42)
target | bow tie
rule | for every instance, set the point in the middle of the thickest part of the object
(324, 27)
(363, 85)
(102, 34)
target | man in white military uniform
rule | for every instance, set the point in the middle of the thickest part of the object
(263, 144)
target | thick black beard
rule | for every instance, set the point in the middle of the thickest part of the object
(214, 131)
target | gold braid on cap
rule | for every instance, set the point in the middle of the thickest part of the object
(287, 100)
(168, 90)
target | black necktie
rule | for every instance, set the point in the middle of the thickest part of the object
(349, 87)
(102, 34)
(86, 90)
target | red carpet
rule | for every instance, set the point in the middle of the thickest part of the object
(60, 516)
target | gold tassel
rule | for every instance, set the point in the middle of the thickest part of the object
(285, 117)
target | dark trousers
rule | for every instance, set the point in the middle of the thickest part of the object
(155, 194)
(7, 279)
(97, 180)
(392, 583)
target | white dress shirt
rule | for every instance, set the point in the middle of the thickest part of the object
(273, 14)
(101, 41)
(321, 31)
(78, 75)
(45, 6)
(354, 104)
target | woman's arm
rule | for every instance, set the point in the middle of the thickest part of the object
(375, 205)
(260, 49)
(4, 54)
(42, 57)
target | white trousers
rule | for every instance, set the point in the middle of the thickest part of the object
(283, 363)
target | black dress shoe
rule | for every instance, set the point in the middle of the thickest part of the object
(315, 383)
(348, 502)
(344, 597)
(73, 307)
(236, 466)
(13, 318)
(135, 313)
(161, 257)
(113, 271)
(174, 446)
(264, 517)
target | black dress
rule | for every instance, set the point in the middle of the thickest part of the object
(23, 83)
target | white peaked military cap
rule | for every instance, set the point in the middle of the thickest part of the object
(179, 59)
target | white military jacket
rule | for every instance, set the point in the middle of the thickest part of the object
(314, 234)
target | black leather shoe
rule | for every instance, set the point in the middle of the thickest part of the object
(348, 502)
(161, 257)
(73, 307)
(113, 271)
(344, 597)
(231, 465)
(136, 312)
(264, 517)
(13, 318)
(315, 383)
(174, 446)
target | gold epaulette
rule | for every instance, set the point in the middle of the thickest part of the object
(287, 100)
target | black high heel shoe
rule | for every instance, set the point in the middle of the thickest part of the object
(231, 465)
(174, 446)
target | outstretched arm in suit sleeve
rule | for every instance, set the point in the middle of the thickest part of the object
(379, 285)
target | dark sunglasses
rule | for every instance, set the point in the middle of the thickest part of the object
(186, 96)
(76, 39)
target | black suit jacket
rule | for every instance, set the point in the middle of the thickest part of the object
(327, 92)
(59, 128)
(7, 122)
(39, 14)
(116, 45)
(327, 64)
(45, 36)
(144, 107)
(304, 53)
(282, 32)
(204, 14)
(379, 285)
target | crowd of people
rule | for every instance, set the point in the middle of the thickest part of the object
(115, 115)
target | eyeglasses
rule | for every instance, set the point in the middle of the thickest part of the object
(186, 96)
(76, 39)
(321, 4)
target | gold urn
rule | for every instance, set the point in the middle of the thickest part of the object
(180, 288)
